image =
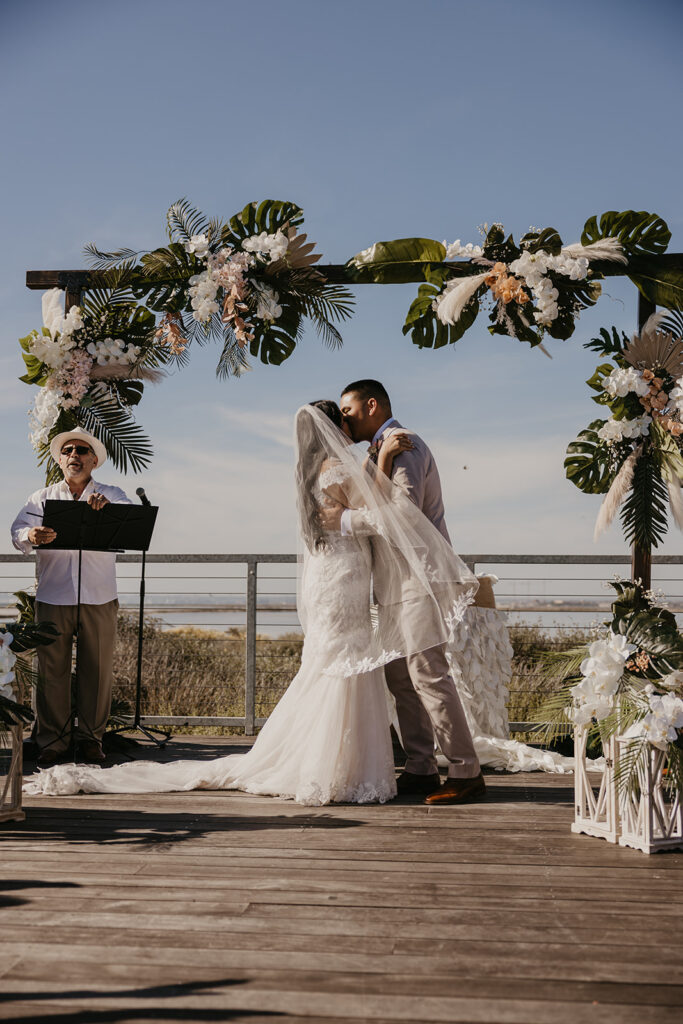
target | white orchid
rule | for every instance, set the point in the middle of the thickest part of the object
(46, 408)
(602, 671)
(274, 245)
(198, 244)
(455, 250)
(616, 430)
(622, 382)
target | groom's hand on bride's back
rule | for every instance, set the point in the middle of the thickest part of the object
(330, 517)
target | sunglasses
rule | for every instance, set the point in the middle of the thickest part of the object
(80, 449)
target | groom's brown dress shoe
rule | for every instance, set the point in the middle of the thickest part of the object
(459, 791)
(409, 782)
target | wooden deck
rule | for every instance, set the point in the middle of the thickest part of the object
(225, 907)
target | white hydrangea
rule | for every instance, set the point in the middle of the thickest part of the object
(274, 246)
(113, 352)
(601, 671)
(7, 661)
(617, 430)
(198, 244)
(43, 416)
(622, 382)
(267, 307)
(468, 252)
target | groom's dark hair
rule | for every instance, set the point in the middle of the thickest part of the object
(369, 389)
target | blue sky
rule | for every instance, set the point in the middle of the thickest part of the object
(382, 119)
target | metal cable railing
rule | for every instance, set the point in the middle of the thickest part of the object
(224, 639)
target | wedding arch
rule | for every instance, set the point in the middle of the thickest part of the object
(251, 282)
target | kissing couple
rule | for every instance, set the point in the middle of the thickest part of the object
(380, 593)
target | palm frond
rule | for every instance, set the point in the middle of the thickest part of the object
(113, 425)
(233, 360)
(644, 513)
(184, 220)
(100, 260)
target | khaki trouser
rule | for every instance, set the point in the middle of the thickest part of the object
(94, 682)
(428, 706)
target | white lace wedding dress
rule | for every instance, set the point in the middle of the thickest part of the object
(327, 739)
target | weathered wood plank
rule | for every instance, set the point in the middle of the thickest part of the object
(218, 905)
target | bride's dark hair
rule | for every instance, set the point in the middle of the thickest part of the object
(312, 454)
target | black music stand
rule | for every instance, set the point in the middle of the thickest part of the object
(114, 528)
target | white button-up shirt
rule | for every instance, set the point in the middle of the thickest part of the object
(57, 571)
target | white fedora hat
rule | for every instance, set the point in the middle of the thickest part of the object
(77, 434)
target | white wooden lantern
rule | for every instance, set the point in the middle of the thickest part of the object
(651, 817)
(595, 807)
(11, 781)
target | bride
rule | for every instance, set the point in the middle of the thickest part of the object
(328, 739)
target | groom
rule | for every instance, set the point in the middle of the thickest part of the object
(427, 701)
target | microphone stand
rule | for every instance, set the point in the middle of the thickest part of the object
(137, 726)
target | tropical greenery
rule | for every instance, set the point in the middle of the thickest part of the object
(636, 457)
(531, 289)
(249, 283)
(627, 683)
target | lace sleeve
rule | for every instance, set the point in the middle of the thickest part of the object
(333, 474)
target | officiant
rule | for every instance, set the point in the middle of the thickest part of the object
(78, 454)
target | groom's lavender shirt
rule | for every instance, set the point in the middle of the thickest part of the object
(415, 473)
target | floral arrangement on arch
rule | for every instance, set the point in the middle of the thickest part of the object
(635, 457)
(535, 288)
(627, 682)
(249, 283)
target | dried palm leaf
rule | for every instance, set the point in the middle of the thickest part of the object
(621, 485)
(655, 348)
(299, 254)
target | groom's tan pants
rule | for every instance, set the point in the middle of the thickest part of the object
(428, 706)
(95, 657)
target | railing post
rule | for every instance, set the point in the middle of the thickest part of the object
(250, 661)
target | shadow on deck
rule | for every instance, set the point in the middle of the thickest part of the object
(214, 906)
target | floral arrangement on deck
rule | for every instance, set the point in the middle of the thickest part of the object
(635, 457)
(249, 283)
(628, 681)
(535, 288)
(16, 676)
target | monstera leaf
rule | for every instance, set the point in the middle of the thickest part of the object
(608, 344)
(35, 369)
(639, 232)
(271, 215)
(548, 239)
(659, 279)
(398, 262)
(587, 463)
(424, 327)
